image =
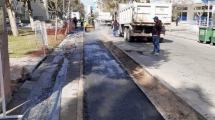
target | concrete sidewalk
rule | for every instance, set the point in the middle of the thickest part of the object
(72, 92)
(185, 31)
(185, 34)
(185, 66)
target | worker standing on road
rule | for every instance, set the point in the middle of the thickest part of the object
(177, 20)
(115, 27)
(156, 35)
(82, 23)
(75, 21)
(85, 25)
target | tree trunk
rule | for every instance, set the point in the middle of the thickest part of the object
(56, 22)
(56, 27)
(4, 52)
(12, 19)
(31, 21)
(46, 8)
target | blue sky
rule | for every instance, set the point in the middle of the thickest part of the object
(87, 2)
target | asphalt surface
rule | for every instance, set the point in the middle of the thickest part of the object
(184, 65)
(110, 94)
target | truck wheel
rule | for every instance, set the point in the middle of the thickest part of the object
(127, 36)
(120, 31)
(161, 40)
(120, 34)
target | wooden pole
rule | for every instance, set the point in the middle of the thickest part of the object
(4, 51)
(4, 64)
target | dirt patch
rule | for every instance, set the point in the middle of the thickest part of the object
(38, 53)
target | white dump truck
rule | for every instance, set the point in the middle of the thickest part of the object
(136, 19)
(75, 14)
(104, 18)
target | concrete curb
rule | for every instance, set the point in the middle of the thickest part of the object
(38, 64)
(55, 98)
(169, 104)
(37, 104)
(81, 87)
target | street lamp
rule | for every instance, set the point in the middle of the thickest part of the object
(115, 7)
(208, 14)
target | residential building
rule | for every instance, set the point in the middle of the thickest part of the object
(193, 11)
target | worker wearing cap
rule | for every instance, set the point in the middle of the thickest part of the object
(156, 35)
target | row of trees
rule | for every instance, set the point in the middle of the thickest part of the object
(11, 12)
(55, 7)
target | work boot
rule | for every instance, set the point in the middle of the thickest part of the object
(157, 54)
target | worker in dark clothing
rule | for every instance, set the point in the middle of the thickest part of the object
(115, 27)
(75, 21)
(82, 23)
(156, 35)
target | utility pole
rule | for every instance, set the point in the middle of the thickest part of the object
(64, 8)
(4, 65)
(208, 15)
(69, 9)
(46, 8)
(115, 9)
(56, 19)
(4, 52)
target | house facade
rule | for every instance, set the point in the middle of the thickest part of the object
(191, 11)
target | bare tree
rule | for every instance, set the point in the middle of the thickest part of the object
(12, 17)
(27, 4)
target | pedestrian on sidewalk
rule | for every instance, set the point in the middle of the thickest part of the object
(156, 35)
(115, 27)
(177, 20)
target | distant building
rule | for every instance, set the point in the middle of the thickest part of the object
(192, 11)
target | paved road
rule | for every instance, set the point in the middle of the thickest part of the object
(186, 66)
(110, 94)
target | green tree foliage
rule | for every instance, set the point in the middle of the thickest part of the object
(72, 5)
(78, 6)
